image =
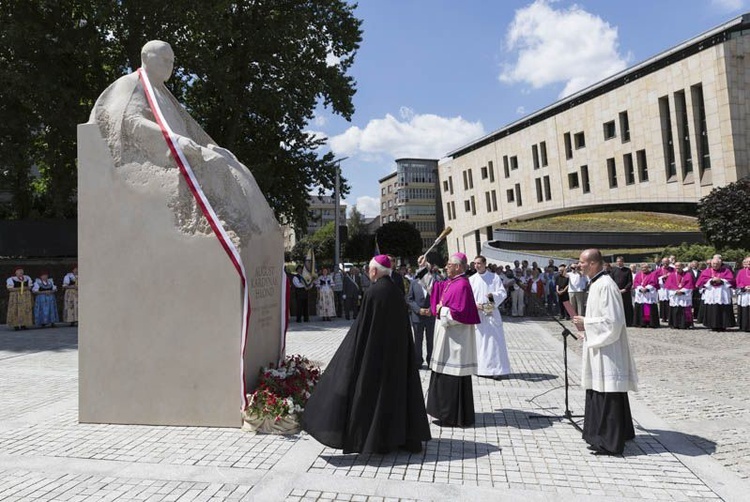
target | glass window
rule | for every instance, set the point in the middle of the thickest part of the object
(568, 146)
(612, 173)
(519, 202)
(627, 162)
(667, 139)
(547, 189)
(585, 185)
(624, 127)
(609, 130)
(543, 152)
(539, 195)
(579, 140)
(573, 180)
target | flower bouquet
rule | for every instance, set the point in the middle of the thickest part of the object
(281, 395)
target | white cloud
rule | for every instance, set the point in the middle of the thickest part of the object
(369, 206)
(320, 120)
(415, 135)
(521, 110)
(561, 45)
(728, 5)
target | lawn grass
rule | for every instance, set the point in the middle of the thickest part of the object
(617, 221)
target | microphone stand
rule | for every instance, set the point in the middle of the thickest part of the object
(567, 414)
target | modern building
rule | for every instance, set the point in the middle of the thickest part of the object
(657, 136)
(411, 194)
(388, 190)
(321, 211)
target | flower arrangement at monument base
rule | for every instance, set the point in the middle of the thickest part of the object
(279, 400)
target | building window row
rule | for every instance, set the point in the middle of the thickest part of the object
(539, 155)
(450, 210)
(406, 194)
(514, 195)
(415, 173)
(468, 180)
(491, 200)
(543, 189)
(488, 172)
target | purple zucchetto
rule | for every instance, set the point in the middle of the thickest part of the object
(383, 260)
(462, 257)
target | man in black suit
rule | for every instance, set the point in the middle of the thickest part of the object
(422, 321)
(696, 273)
(397, 278)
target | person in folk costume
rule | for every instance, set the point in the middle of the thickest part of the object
(369, 398)
(645, 306)
(608, 368)
(623, 277)
(45, 304)
(535, 293)
(680, 285)
(20, 301)
(489, 292)
(743, 295)
(718, 282)
(70, 300)
(326, 299)
(301, 288)
(662, 272)
(454, 356)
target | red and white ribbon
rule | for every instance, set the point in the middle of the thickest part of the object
(285, 297)
(187, 172)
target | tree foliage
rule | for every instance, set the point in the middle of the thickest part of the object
(356, 222)
(724, 215)
(250, 71)
(360, 247)
(399, 238)
(702, 252)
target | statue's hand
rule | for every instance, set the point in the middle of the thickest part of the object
(188, 146)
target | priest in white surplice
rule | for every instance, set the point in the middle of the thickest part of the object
(489, 293)
(608, 367)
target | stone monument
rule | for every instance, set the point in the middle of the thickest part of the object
(167, 220)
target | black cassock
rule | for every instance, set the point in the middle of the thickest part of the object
(369, 399)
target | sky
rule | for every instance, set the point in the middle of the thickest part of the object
(434, 75)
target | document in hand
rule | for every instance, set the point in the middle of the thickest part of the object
(571, 311)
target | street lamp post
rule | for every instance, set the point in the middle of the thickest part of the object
(336, 203)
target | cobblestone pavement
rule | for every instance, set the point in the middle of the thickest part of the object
(691, 417)
(698, 382)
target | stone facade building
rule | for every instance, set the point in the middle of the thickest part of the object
(657, 136)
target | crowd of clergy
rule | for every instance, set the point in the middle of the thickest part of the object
(33, 303)
(370, 399)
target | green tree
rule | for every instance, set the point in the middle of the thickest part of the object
(399, 238)
(251, 73)
(724, 215)
(355, 222)
(323, 242)
(360, 247)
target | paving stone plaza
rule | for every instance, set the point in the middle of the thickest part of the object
(692, 433)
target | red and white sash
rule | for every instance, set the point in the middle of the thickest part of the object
(232, 252)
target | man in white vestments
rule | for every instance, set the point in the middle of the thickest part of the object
(608, 366)
(489, 293)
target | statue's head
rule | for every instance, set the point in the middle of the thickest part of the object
(158, 60)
